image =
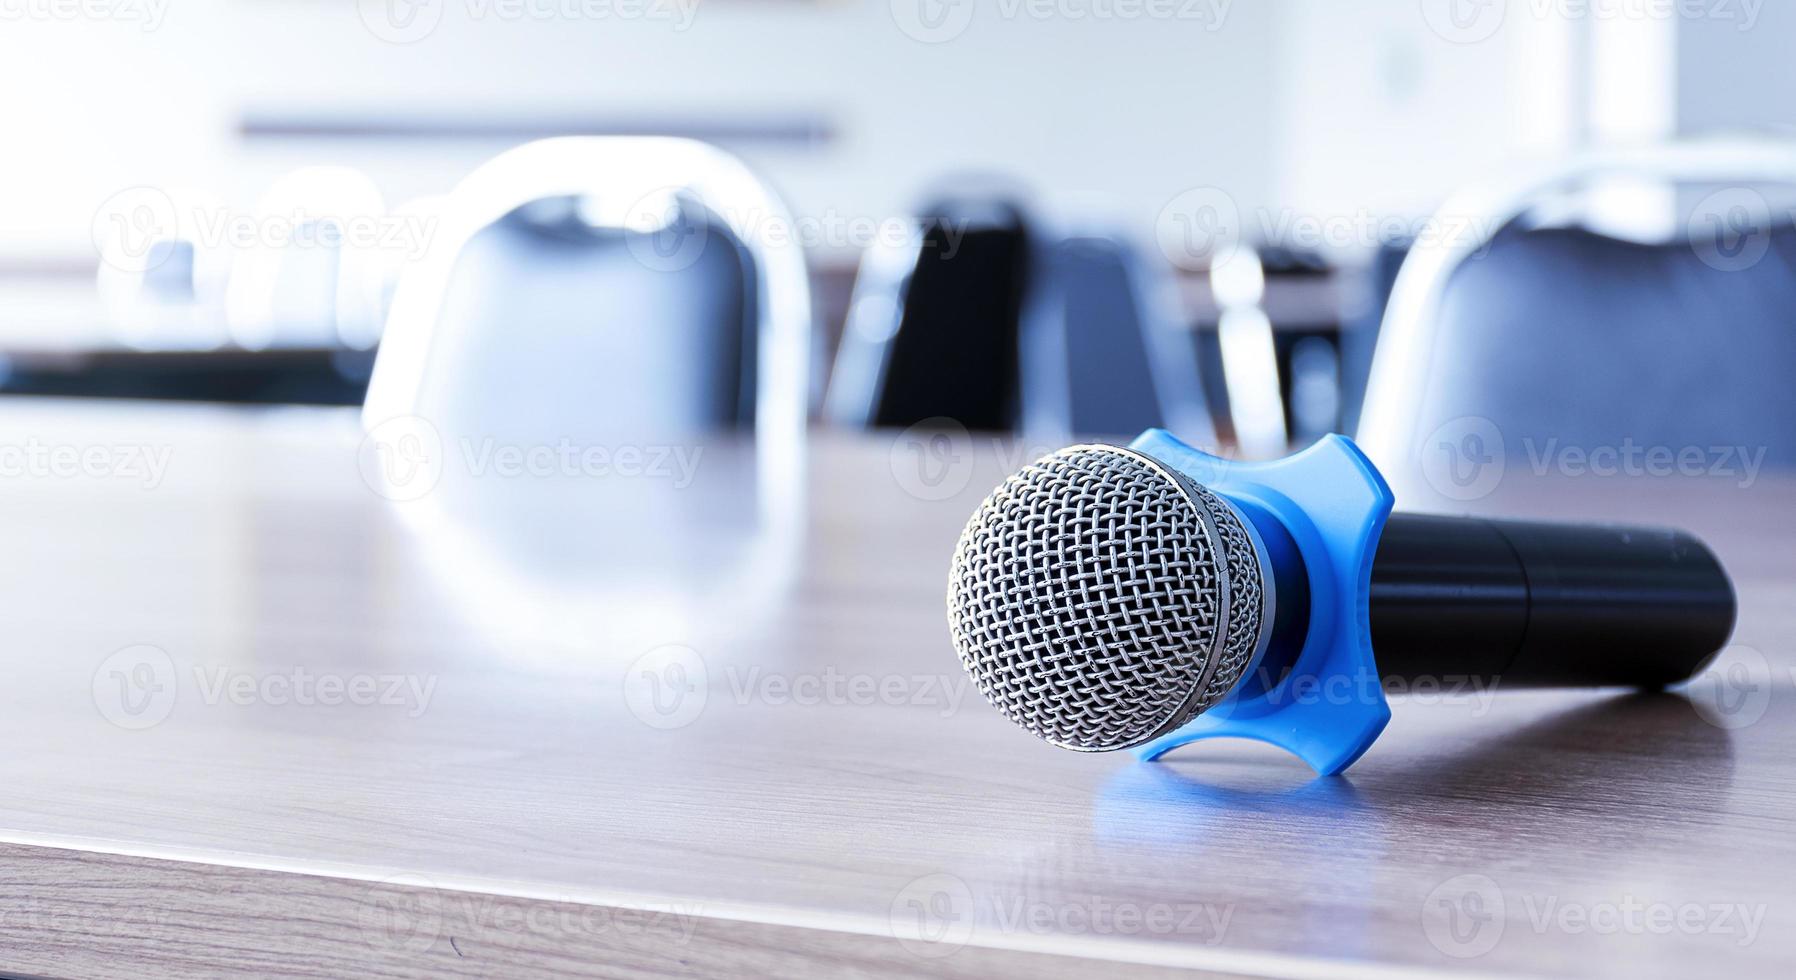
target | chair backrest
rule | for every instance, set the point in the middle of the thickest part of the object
(1103, 350)
(932, 327)
(1525, 342)
(1572, 336)
(603, 287)
(634, 315)
(664, 347)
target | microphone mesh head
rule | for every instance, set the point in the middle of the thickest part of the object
(1100, 600)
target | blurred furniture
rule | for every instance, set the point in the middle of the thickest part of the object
(1104, 349)
(1249, 354)
(932, 327)
(282, 376)
(601, 288)
(1559, 333)
(163, 270)
(817, 788)
(1360, 323)
(312, 276)
(195, 302)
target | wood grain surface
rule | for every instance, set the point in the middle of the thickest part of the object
(590, 719)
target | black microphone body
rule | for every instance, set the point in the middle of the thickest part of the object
(1526, 604)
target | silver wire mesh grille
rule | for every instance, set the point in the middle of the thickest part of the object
(1094, 605)
(1247, 600)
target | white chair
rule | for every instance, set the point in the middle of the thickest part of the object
(592, 295)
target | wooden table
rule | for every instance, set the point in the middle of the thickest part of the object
(260, 719)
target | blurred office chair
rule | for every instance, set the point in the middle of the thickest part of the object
(602, 287)
(932, 323)
(611, 294)
(1514, 336)
(1103, 350)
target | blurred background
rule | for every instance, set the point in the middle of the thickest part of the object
(1054, 216)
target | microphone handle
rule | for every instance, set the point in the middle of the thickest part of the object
(1528, 604)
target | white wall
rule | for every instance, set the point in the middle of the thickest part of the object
(1388, 107)
(1306, 107)
(1738, 74)
(1116, 116)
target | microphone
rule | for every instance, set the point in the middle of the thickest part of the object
(1104, 598)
